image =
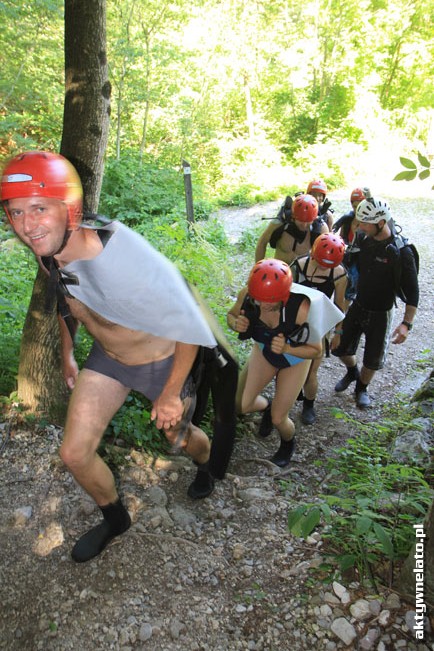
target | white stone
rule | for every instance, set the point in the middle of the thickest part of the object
(360, 610)
(367, 642)
(338, 589)
(345, 631)
(330, 598)
(375, 607)
(384, 618)
(325, 610)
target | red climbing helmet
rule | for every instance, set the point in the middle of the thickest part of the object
(270, 281)
(317, 185)
(357, 195)
(44, 174)
(305, 208)
(328, 250)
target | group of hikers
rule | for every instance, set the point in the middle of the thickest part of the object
(153, 334)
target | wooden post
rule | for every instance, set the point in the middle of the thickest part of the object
(188, 191)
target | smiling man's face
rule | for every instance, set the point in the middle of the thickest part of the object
(40, 222)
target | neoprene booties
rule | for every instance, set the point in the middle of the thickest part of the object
(203, 484)
(116, 521)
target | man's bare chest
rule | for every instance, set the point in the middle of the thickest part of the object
(87, 316)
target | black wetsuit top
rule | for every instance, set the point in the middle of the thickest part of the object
(344, 225)
(376, 289)
(263, 334)
(326, 285)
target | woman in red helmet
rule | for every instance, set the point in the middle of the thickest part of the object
(293, 237)
(318, 189)
(322, 270)
(276, 319)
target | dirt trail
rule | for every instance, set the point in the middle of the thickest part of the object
(223, 574)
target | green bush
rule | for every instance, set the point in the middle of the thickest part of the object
(371, 503)
(134, 191)
(18, 270)
(132, 423)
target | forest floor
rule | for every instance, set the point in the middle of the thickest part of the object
(221, 574)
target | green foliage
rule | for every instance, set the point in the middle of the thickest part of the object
(135, 191)
(31, 86)
(249, 238)
(421, 169)
(17, 271)
(133, 425)
(243, 195)
(370, 506)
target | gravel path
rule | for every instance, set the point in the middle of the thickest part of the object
(223, 574)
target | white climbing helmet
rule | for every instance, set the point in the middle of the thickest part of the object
(372, 211)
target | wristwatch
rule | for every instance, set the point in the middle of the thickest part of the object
(408, 324)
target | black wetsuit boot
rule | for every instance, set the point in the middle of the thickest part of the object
(352, 375)
(362, 397)
(283, 455)
(116, 521)
(308, 415)
(266, 425)
(203, 484)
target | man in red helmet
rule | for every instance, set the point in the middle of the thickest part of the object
(293, 237)
(111, 280)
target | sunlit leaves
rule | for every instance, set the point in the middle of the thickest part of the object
(412, 170)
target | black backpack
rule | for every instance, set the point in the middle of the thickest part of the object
(290, 228)
(400, 242)
(394, 249)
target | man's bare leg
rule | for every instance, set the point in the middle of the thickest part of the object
(94, 401)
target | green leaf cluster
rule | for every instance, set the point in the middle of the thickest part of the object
(420, 169)
(371, 504)
(133, 426)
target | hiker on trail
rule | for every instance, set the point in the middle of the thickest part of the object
(347, 226)
(294, 236)
(287, 323)
(318, 189)
(146, 325)
(322, 270)
(388, 268)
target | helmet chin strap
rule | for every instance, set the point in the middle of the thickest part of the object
(379, 229)
(65, 241)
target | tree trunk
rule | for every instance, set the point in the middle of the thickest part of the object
(87, 94)
(85, 131)
(41, 387)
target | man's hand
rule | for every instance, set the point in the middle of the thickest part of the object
(400, 334)
(167, 411)
(70, 371)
